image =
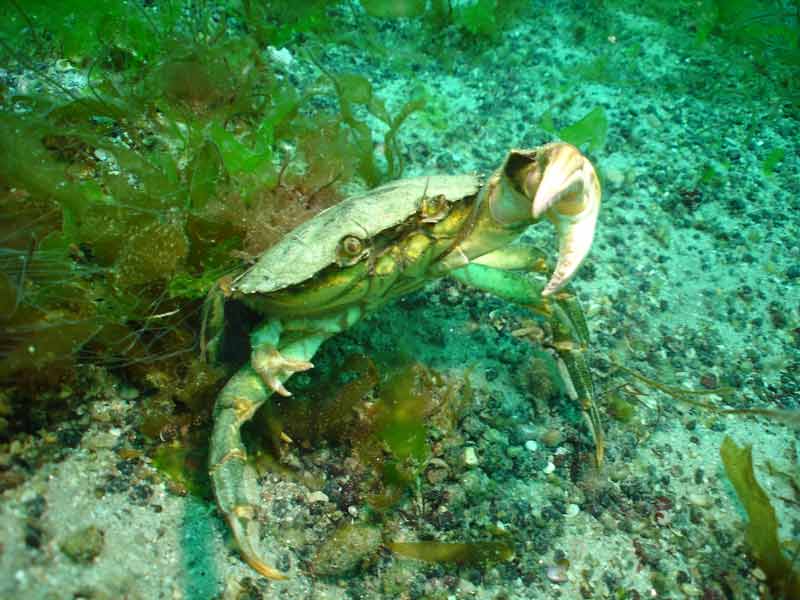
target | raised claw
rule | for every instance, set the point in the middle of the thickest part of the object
(563, 186)
(273, 368)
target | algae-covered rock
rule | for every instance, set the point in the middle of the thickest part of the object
(349, 546)
(83, 545)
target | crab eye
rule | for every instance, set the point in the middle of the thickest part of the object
(351, 245)
(350, 251)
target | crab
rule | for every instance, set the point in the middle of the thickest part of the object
(353, 258)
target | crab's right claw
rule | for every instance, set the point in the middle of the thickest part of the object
(274, 368)
(564, 187)
(569, 194)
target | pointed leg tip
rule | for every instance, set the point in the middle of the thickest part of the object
(276, 386)
(238, 519)
(274, 368)
(264, 569)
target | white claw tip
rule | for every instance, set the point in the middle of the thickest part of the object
(570, 194)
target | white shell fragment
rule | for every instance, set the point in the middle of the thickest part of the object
(470, 457)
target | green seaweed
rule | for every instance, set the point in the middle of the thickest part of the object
(122, 204)
(691, 397)
(620, 409)
(277, 22)
(772, 160)
(386, 415)
(353, 90)
(480, 21)
(769, 29)
(392, 9)
(331, 410)
(599, 69)
(765, 33)
(405, 402)
(479, 18)
(486, 19)
(76, 29)
(460, 553)
(589, 132)
(184, 463)
(762, 526)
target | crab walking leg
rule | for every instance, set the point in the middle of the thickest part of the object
(233, 478)
(571, 341)
(570, 333)
(280, 349)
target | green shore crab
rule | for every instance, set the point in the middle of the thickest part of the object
(353, 258)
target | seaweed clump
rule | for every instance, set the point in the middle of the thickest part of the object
(387, 417)
(762, 526)
(186, 153)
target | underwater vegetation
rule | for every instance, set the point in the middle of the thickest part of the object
(770, 29)
(588, 132)
(147, 151)
(394, 420)
(454, 552)
(386, 414)
(397, 419)
(182, 153)
(783, 574)
(145, 157)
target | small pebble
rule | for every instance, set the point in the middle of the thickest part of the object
(549, 468)
(83, 545)
(349, 546)
(436, 476)
(531, 446)
(708, 381)
(557, 573)
(691, 591)
(466, 588)
(99, 440)
(551, 437)
(701, 500)
(572, 510)
(470, 457)
(317, 497)
(614, 176)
